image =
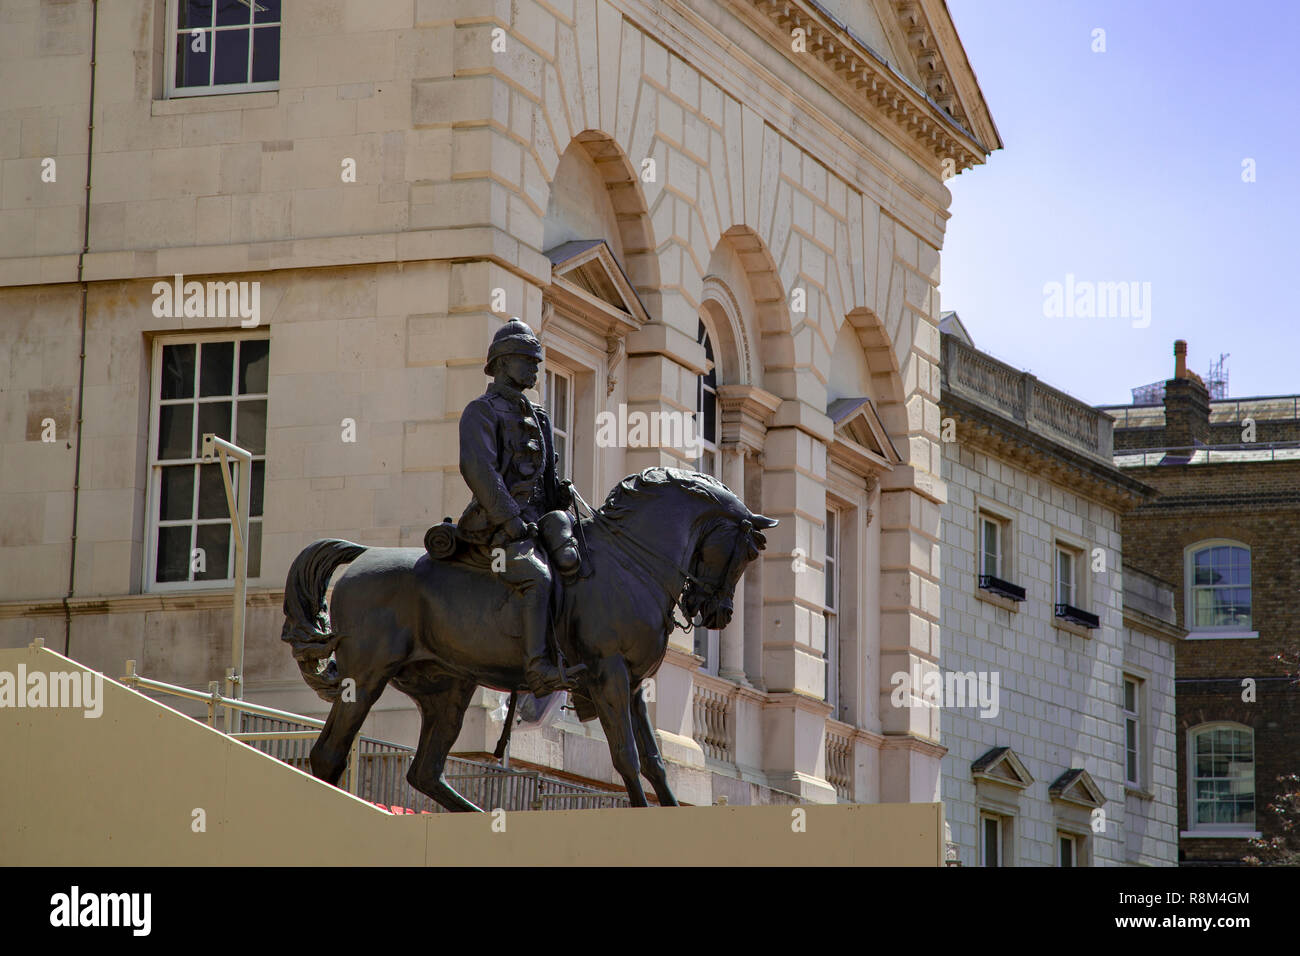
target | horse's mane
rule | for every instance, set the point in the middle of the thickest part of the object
(620, 501)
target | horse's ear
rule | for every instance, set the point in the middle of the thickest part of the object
(762, 522)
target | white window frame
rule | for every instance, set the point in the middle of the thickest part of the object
(1227, 632)
(1073, 598)
(169, 60)
(831, 569)
(1005, 830)
(1137, 716)
(1079, 848)
(708, 448)
(149, 583)
(1241, 830)
(561, 427)
(985, 523)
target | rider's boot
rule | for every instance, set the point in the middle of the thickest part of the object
(540, 672)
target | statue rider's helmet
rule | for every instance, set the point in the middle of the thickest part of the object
(513, 338)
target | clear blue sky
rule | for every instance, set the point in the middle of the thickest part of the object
(1127, 166)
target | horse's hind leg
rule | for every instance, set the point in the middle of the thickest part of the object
(366, 668)
(329, 756)
(441, 713)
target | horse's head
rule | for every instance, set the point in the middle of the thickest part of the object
(726, 547)
(720, 534)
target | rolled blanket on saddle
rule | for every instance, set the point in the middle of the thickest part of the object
(440, 540)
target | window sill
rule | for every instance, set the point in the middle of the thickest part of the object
(1225, 835)
(215, 103)
(997, 600)
(1132, 791)
(1078, 629)
(1221, 635)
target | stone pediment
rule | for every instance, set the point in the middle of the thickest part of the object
(1001, 766)
(860, 434)
(1076, 786)
(921, 81)
(586, 273)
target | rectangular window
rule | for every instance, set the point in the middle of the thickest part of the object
(222, 46)
(559, 407)
(1223, 778)
(995, 839)
(1068, 846)
(991, 547)
(1132, 732)
(832, 576)
(202, 385)
(1065, 577)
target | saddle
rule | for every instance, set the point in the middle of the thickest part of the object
(555, 530)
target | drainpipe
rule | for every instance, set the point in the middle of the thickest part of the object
(81, 359)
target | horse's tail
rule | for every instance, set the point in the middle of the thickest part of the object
(306, 619)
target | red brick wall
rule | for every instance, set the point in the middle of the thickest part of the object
(1258, 504)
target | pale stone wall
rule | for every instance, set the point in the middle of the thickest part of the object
(378, 296)
(1060, 692)
(1151, 820)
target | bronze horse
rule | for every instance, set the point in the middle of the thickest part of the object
(435, 630)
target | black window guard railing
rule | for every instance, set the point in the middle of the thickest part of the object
(1074, 615)
(1006, 589)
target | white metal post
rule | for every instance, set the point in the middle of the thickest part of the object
(239, 511)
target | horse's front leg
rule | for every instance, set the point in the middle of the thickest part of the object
(611, 694)
(652, 764)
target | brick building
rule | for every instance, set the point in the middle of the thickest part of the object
(1224, 531)
(1068, 759)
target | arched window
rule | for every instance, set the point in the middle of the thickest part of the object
(1221, 776)
(1218, 587)
(706, 407)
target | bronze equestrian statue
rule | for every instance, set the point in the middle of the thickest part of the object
(472, 608)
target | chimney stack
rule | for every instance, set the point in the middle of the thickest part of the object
(1187, 404)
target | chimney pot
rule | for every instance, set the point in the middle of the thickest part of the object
(1180, 358)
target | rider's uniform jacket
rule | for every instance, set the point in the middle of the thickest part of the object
(507, 459)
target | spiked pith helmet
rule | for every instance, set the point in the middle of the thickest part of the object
(513, 338)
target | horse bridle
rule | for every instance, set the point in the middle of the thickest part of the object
(708, 589)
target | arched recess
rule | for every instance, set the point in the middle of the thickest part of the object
(633, 241)
(886, 387)
(768, 362)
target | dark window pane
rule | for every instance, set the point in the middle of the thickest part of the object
(195, 13)
(214, 539)
(192, 65)
(212, 492)
(216, 368)
(232, 57)
(267, 11)
(175, 431)
(254, 360)
(266, 54)
(234, 12)
(254, 549)
(173, 554)
(214, 417)
(178, 371)
(176, 493)
(258, 484)
(250, 426)
(710, 417)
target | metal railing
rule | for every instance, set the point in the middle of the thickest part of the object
(376, 769)
(1209, 454)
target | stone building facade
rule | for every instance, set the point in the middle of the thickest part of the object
(733, 209)
(1058, 657)
(1223, 530)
